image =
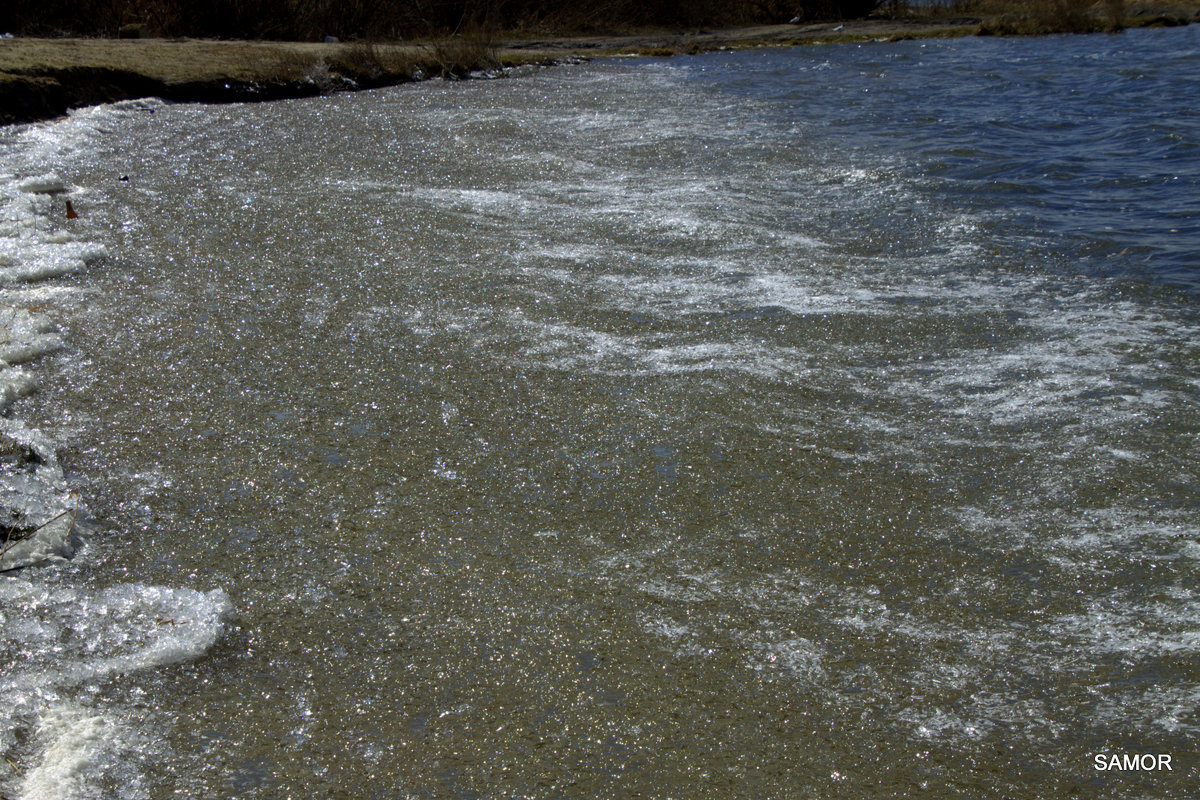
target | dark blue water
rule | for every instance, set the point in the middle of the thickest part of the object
(1091, 144)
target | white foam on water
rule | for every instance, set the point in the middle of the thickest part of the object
(970, 678)
(81, 749)
(1086, 358)
(121, 629)
(15, 384)
(477, 201)
(797, 657)
(1088, 539)
(964, 684)
(572, 348)
(698, 613)
(685, 642)
(1114, 623)
(70, 740)
(580, 348)
(45, 145)
(38, 242)
(1168, 708)
(980, 715)
(60, 639)
(722, 287)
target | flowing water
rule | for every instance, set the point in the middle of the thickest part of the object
(787, 424)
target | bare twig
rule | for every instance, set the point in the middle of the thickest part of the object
(9, 541)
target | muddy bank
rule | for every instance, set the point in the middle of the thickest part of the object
(50, 93)
(53, 76)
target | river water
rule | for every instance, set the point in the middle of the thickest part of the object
(787, 423)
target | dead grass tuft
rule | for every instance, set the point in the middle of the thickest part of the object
(1037, 17)
(461, 55)
(371, 64)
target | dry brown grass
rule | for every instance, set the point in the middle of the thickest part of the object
(1032, 17)
(169, 61)
(1085, 16)
(1046, 16)
(460, 55)
(192, 60)
(204, 61)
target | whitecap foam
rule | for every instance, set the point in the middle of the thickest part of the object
(58, 639)
(580, 348)
(82, 748)
(1115, 624)
(477, 201)
(798, 657)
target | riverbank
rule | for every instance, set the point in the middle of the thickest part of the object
(43, 78)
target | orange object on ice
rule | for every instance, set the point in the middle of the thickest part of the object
(71, 211)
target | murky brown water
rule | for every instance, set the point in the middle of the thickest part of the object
(621, 431)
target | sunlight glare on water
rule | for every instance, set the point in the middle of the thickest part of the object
(762, 424)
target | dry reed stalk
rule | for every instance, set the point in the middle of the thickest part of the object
(457, 57)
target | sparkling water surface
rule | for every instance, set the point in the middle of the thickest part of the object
(790, 423)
